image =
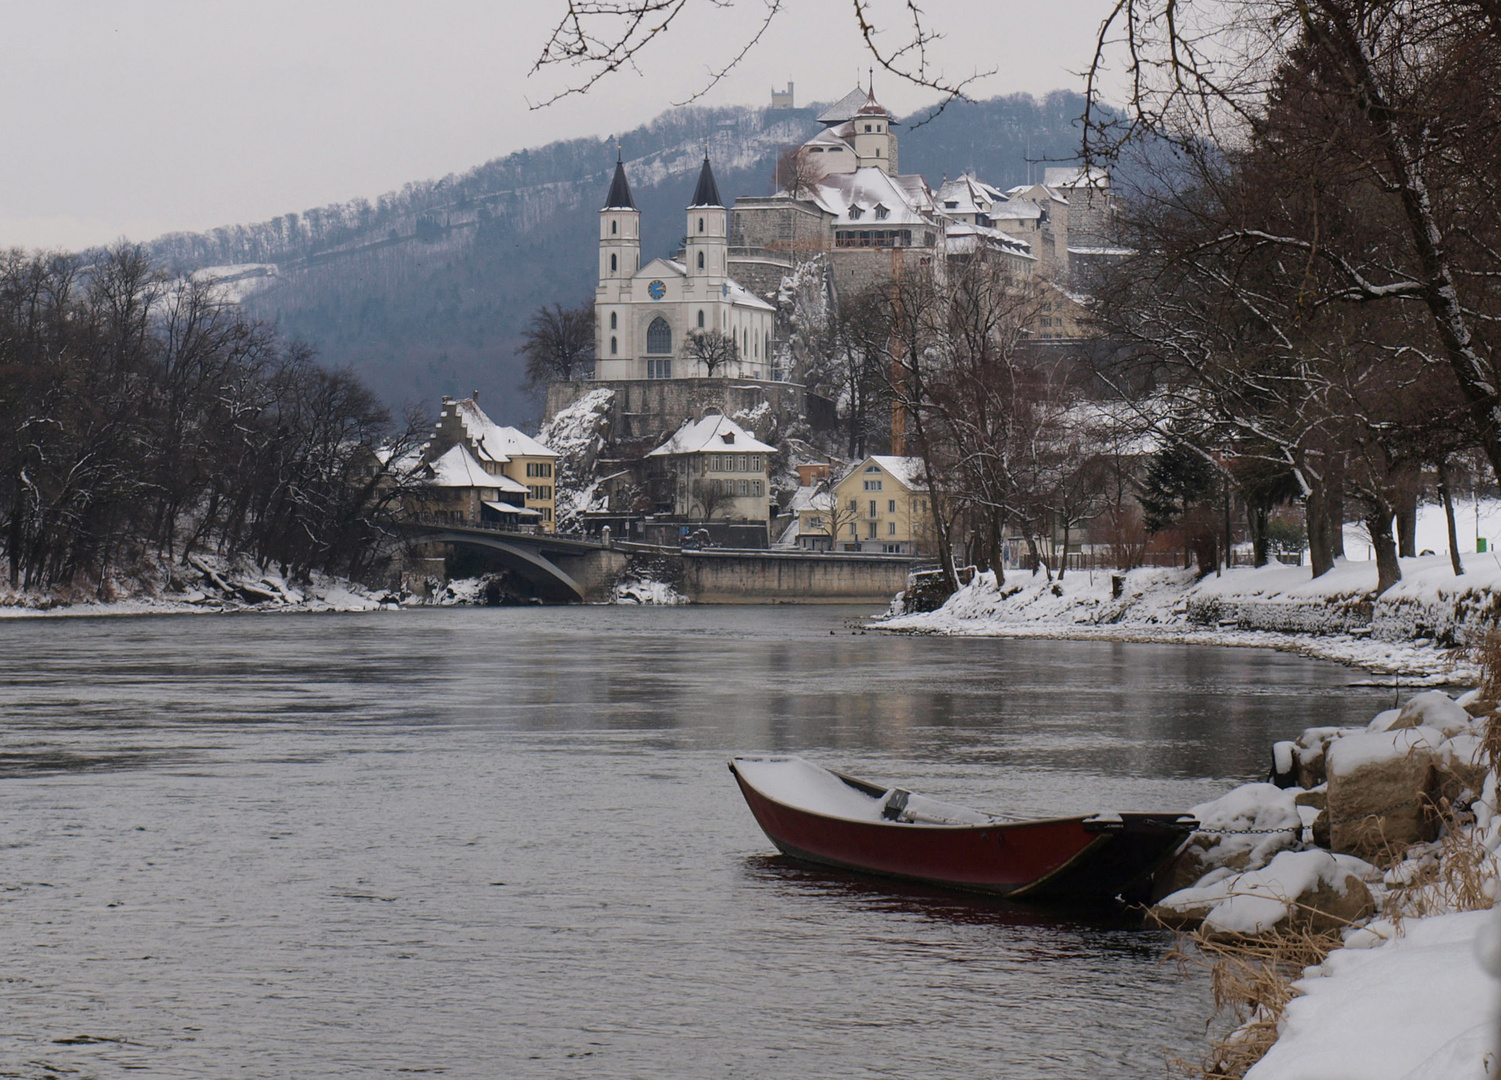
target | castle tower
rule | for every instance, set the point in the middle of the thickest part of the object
(875, 142)
(707, 231)
(619, 259)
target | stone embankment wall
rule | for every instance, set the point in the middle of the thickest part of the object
(729, 577)
(1449, 617)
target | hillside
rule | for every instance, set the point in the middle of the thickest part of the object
(426, 291)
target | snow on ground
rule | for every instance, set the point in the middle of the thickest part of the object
(1332, 617)
(1472, 519)
(645, 591)
(1420, 1007)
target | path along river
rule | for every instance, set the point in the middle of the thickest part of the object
(503, 843)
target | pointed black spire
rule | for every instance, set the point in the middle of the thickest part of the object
(620, 189)
(707, 192)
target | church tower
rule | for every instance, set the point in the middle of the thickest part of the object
(875, 142)
(707, 245)
(619, 259)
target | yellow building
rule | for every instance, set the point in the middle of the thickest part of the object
(883, 505)
(502, 452)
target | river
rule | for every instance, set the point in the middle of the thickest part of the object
(503, 843)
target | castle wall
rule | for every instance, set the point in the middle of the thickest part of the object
(652, 409)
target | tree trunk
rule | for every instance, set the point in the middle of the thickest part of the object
(1388, 569)
(1448, 496)
(1063, 562)
(1407, 516)
(1316, 516)
(1256, 525)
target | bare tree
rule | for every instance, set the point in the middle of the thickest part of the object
(559, 343)
(714, 349)
(797, 171)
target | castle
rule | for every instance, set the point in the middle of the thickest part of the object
(841, 197)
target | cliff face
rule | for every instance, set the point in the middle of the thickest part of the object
(426, 291)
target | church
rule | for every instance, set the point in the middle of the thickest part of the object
(644, 315)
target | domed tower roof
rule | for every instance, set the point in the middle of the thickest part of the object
(707, 191)
(872, 107)
(619, 197)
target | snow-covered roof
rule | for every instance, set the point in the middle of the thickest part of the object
(907, 471)
(969, 194)
(507, 508)
(713, 434)
(1115, 252)
(1077, 176)
(740, 296)
(810, 497)
(906, 199)
(844, 108)
(1016, 209)
(458, 468)
(492, 442)
(962, 238)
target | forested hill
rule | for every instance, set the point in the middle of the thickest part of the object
(426, 291)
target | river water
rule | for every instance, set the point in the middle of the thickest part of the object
(503, 843)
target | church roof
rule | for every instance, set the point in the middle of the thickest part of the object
(619, 197)
(845, 108)
(707, 191)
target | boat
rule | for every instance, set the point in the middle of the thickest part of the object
(827, 818)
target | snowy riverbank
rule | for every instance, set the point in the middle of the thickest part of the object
(1350, 910)
(1406, 631)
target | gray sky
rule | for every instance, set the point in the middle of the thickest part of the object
(138, 117)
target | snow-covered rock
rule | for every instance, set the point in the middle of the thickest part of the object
(1435, 709)
(1241, 830)
(1379, 786)
(1307, 889)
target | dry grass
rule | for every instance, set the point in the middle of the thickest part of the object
(1486, 655)
(1252, 982)
(1462, 875)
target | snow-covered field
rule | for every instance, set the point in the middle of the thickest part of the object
(1405, 631)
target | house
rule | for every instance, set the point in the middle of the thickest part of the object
(456, 488)
(884, 506)
(808, 520)
(504, 455)
(712, 470)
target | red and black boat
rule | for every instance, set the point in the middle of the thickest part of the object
(817, 815)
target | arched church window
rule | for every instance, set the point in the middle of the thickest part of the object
(659, 337)
(767, 353)
(700, 260)
(612, 264)
(744, 341)
(614, 321)
(612, 347)
(612, 228)
(700, 318)
(700, 224)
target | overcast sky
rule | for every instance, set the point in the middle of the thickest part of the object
(137, 117)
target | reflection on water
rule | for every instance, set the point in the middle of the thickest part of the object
(504, 843)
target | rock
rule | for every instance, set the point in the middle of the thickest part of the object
(1480, 707)
(1384, 720)
(1320, 830)
(1241, 830)
(1318, 798)
(1460, 771)
(1380, 791)
(1284, 764)
(1310, 749)
(1435, 709)
(1312, 890)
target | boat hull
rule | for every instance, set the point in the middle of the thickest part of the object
(1063, 859)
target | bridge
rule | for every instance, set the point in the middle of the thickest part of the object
(564, 568)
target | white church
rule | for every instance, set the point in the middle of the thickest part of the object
(645, 314)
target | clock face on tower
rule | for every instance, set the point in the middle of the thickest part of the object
(656, 290)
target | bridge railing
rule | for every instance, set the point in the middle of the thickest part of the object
(488, 526)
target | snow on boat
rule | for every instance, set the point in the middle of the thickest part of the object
(816, 815)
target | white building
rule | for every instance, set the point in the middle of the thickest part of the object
(645, 314)
(713, 470)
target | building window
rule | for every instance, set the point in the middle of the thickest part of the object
(612, 347)
(891, 528)
(755, 463)
(700, 319)
(539, 468)
(659, 336)
(614, 321)
(700, 229)
(612, 228)
(659, 369)
(891, 506)
(867, 127)
(872, 485)
(700, 260)
(872, 512)
(854, 531)
(872, 530)
(756, 488)
(740, 464)
(768, 346)
(612, 264)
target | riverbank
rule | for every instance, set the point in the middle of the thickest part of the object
(1408, 631)
(1347, 908)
